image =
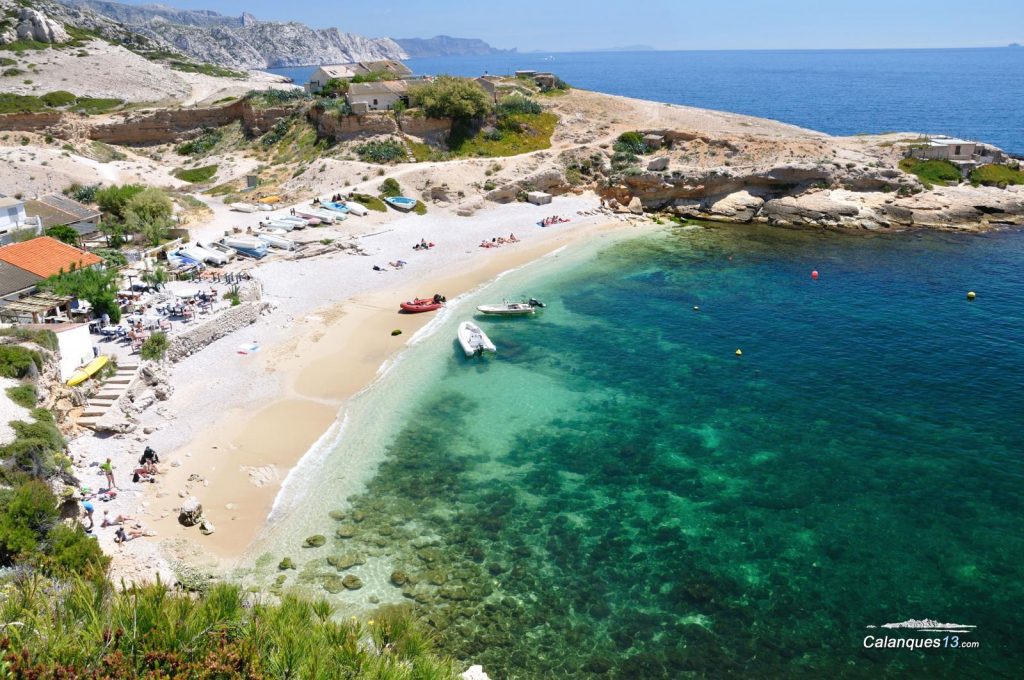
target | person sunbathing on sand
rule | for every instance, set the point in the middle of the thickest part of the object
(122, 536)
(512, 238)
(397, 265)
(120, 519)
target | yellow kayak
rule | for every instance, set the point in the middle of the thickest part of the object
(87, 371)
(270, 199)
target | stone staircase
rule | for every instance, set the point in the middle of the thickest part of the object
(112, 390)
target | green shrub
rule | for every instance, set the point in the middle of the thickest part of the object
(996, 174)
(631, 142)
(17, 103)
(58, 99)
(69, 550)
(98, 287)
(11, 72)
(112, 200)
(390, 188)
(94, 106)
(27, 513)
(44, 338)
(82, 194)
(63, 233)
(17, 362)
(201, 144)
(23, 395)
(517, 103)
(371, 202)
(206, 69)
(276, 133)
(384, 151)
(450, 97)
(272, 98)
(155, 347)
(421, 208)
(196, 175)
(931, 172)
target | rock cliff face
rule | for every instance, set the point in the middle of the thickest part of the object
(445, 46)
(34, 25)
(244, 41)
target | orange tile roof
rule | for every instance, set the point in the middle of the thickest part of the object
(45, 256)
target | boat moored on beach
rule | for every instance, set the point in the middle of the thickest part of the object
(507, 308)
(473, 340)
(250, 246)
(201, 254)
(244, 207)
(276, 240)
(417, 305)
(325, 216)
(403, 203)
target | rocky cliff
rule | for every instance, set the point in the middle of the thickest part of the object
(446, 46)
(244, 41)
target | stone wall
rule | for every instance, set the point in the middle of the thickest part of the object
(432, 129)
(173, 125)
(225, 323)
(349, 127)
(30, 122)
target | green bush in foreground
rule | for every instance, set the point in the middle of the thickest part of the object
(390, 188)
(371, 202)
(88, 628)
(384, 151)
(631, 142)
(155, 347)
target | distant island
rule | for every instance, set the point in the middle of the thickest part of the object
(627, 48)
(446, 46)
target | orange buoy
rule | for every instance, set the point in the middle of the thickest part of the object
(814, 275)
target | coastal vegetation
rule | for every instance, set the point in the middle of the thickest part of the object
(206, 69)
(59, 100)
(451, 97)
(382, 151)
(390, 188)
(996, 174)
(371, 202)
(155, 347)
(82, 627)
(512, 134)
(196, 175)
(202, 144)
(96, 286)
(931, 172)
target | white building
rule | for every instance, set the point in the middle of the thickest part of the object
(13, 218)
(378, 96)
(329, 72)
(946, 148)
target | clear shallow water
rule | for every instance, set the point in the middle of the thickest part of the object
(842, 92)
(616, 494)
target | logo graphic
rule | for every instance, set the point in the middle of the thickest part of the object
(928, 626)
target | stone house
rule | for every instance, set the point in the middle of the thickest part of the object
(54, 210)
(378, 96)
(14, 219)
(328, 72)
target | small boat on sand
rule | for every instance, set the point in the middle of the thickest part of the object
(417, 305)
(473, 340)
(85, 372)
(357, 208)
(336, 207)
(197, 252)
(325, 216)
(279, 224)
(276, 240)
(299, 222)
(246, 245)
(507, 308)
(403, 203)
(244, 207)
(213, 247)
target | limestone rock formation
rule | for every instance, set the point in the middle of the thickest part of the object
(244, 42)
(34, 25)
(191, 512)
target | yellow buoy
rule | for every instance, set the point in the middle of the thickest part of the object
(739, 352)
(970, 295)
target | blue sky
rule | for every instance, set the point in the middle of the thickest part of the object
(566, 25)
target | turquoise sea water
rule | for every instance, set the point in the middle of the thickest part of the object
(617, 494)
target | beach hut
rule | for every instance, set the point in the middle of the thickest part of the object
(538, 197)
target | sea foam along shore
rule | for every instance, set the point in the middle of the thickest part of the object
(236, 424)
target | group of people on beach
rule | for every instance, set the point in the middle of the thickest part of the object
(554, 219)
(498, 241)
(145, 472)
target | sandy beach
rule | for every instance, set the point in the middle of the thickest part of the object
(238, 423)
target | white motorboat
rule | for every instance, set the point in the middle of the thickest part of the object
(276, 240)
(357, 208)
(507, 308)
(279, 224)
(197, 252)
(324, 213)
(473, 340)
(246, 245)
(266, 207)
(244, 207)
(297, 221)
(218, 248)
(325, 217)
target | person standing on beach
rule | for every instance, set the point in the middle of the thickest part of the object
(108, 470)
(87, 509)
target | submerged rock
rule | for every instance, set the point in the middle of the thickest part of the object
(333, 584)
(286, 563)
(352, 582)
(337, 515)
(346, 561)
(345, 531)
(399, 578)
(314, 541)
